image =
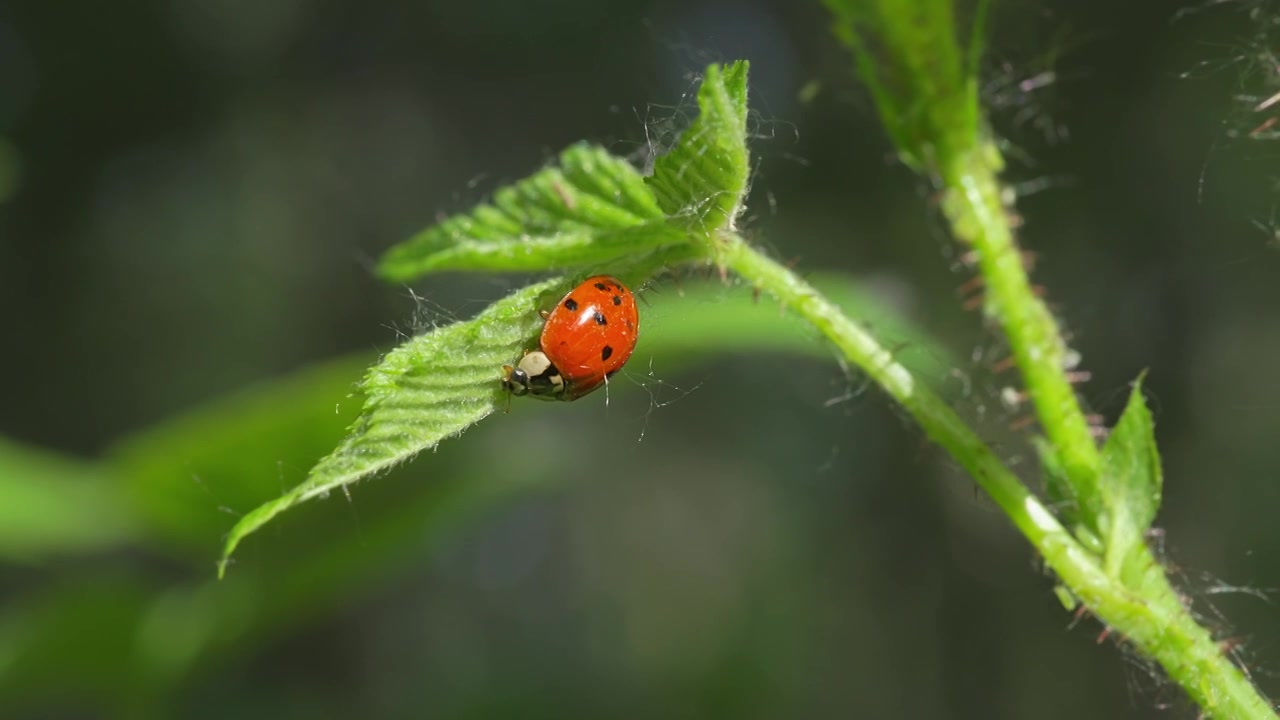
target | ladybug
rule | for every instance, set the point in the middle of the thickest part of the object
(586, 339)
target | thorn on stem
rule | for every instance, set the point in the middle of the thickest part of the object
(1004, 365)
(1265, 126)
(974, 283)
(1022, 423)
(1077, 616)
(1098, 429)
(1229, 645)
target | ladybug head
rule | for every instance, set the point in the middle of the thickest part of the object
(535, 375)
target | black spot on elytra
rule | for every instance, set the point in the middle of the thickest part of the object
(570, 304)
(617, 300)
(606, 353)
(600, 319)
(601, 286)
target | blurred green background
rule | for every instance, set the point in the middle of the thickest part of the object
(192, 192)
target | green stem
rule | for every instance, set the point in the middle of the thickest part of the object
(937, 418)
(974, 206)
(1153, 620)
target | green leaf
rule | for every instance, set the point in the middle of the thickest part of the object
(154, 635)
(55, 505)
(428, 389)
(591, 209)
(534, 253)
(703, 179)
(182, 476)
(1131, 481)
(71, 638)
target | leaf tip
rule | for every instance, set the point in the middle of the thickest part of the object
(735, 74)
(731, 78)
(1142, 376)
(394, 265)
(227, 549)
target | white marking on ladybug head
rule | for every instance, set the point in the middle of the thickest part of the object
(535, 375)
(535, 363)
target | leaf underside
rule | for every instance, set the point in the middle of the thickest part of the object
(430, 388)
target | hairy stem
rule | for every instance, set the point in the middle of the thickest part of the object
(979, 217)
(1151, 616)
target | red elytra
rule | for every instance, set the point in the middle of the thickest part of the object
(591, 333)
(587, 337)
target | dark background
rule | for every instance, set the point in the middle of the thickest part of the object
(193, 193)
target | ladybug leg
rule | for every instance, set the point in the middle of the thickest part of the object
(545, 314)
(506, 378)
